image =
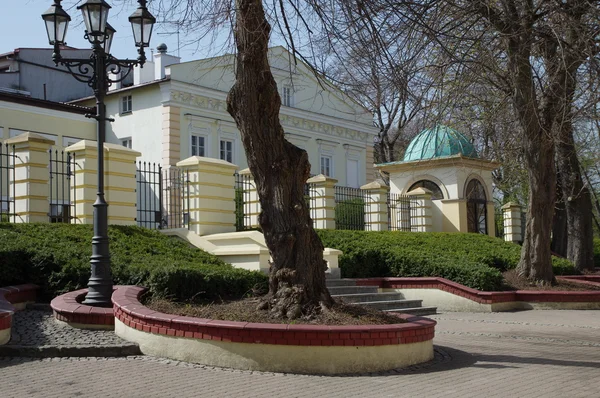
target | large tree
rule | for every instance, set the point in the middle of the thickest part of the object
(280, 169)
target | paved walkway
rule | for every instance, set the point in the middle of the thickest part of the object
(521, 354)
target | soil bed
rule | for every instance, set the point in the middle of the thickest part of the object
(513, 282)
(246, 311)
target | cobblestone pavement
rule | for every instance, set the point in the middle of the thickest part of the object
(39, 328)
(521, 354)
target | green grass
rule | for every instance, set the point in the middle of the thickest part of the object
(56, 257)
(473, 260)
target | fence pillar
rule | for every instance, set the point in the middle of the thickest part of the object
(119, 182)
(32, 157)
(376, 208)
(422, 218)
(511, 219)
(212, 194)
(322, 201)
(251, 201)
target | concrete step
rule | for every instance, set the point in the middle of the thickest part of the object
(391, 304)
(415, 311)
(343, 290)
(366, 297)
(340, 282)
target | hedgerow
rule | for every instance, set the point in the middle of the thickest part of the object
(473, 260)
(56, 257)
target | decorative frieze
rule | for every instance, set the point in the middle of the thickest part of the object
(217, 105)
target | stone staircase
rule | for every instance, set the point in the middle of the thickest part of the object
(347, 290)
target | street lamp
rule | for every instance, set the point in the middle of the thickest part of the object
(99, 71)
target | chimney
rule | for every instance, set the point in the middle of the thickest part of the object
(143, 75)
(162, 60)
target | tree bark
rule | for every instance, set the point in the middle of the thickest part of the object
(297, 271)
(578, 204)
(559, 223)
(538, 144)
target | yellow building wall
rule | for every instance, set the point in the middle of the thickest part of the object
(60, 125)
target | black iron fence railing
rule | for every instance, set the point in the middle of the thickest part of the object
(400, 210)
(163, 196)
(242, 201)
(61, 179)
(7, 186)
(350, 209)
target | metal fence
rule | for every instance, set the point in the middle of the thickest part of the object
(242, 199)
(61, 178)
(350, 209)
(163, 196)
(7, 187)
(401, 210)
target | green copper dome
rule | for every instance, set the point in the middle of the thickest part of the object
(439, 141)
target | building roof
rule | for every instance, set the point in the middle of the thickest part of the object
(437, 142)
(58, 106)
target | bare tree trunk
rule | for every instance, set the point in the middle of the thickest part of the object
(297, 272)
(536, 258)
(538, 144)
(559, 223)
(578, 204)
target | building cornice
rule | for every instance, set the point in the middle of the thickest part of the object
(215, 102)
(448, 161)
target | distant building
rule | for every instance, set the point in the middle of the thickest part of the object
(443, 163)
(31, 72)
(176, 110)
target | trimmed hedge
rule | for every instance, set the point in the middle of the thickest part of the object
(56, 257)
(473, 260)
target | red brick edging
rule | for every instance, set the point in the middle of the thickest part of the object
(482, 297)
(68, 308)
(132, 313)
(10, 295)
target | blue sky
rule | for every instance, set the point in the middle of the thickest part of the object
(21, 25)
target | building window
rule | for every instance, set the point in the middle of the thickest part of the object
(326, 163)
(287, 96)
(126, 142)
(226, 150)
(436, 192)
(198, 145)
(126, 104)
(476, 207)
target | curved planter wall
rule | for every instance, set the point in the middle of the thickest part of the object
(13, 298)
(68, 308)
(451, 296)
(272, 347)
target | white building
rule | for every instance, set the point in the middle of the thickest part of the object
(176, 110)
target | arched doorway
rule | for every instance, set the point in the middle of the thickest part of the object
(436, 192)
(476, 207)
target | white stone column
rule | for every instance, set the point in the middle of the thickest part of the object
(32, 158)
(212, 194)
(376, 209)
(511, 219)
(422, 219)
(322, 201)
(251, 200)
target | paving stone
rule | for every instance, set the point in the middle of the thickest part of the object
(36, 333)
(526, 354)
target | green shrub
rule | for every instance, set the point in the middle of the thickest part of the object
(473, 260)
(350, 214)
(56, 257)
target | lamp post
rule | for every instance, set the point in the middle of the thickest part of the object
(94, 71)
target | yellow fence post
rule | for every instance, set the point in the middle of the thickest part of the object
(212, 194)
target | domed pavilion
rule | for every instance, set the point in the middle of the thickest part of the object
(442, 164)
